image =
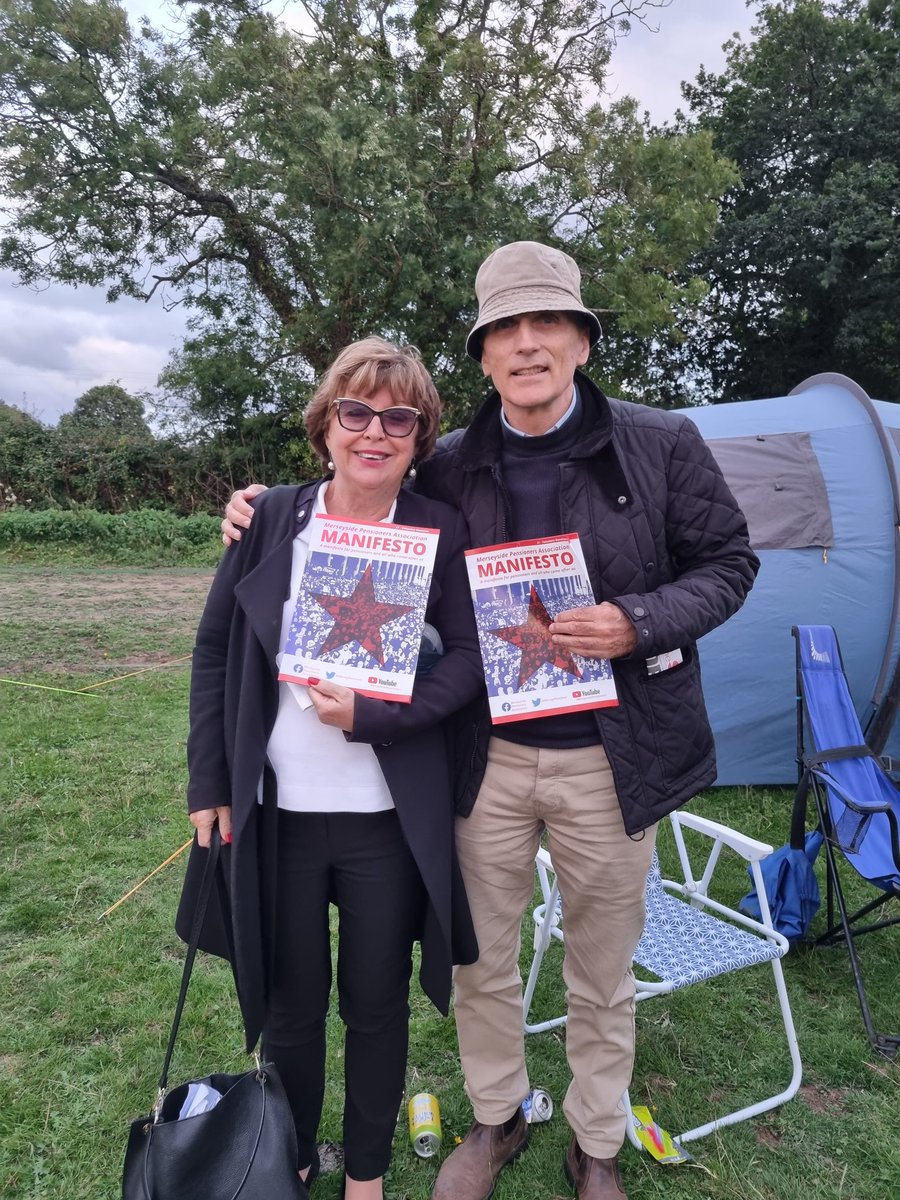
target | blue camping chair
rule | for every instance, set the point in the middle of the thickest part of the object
(857, 803)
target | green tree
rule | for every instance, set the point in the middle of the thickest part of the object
(27, 455)
(106, 455)
(107, 411)
(805, 270)
(298, 190)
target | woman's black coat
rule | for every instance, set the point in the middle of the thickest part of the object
(234, 702)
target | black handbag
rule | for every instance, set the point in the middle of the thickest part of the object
(244, 1148)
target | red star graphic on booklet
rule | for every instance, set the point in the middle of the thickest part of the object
(359, 617)
(533, 639)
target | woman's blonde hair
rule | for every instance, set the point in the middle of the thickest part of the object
(359, 371)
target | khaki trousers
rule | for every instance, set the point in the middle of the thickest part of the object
(602, 875)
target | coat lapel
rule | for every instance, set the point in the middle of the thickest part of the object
(263, 591)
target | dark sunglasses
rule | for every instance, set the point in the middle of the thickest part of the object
(356, 415)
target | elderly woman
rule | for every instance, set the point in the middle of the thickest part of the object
(346, 801)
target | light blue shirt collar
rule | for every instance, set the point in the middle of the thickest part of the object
(562, 420)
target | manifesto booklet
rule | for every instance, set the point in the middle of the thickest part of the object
(518, 589)
(360, 607)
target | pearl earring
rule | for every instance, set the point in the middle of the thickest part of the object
(330, 465)
(411, 473)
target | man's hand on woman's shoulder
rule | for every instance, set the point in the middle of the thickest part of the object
(238, 513)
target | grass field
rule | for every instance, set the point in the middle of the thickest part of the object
(91, 800)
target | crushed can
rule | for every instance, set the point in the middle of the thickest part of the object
(537, 1106)
(425, 1124)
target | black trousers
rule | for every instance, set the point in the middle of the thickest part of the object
(362, 864)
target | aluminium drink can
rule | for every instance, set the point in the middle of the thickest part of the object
(537, 1106)
(425, 1124)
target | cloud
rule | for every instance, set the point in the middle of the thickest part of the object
(128, 362)
(56, 343)
(34, 338)
(651, 66)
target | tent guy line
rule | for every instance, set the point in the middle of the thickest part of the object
(137, 886)
(90, 690)
(46, 687)
(131, 674)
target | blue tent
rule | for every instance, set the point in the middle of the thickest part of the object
(817, 474)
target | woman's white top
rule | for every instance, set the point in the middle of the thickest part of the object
(317, 769)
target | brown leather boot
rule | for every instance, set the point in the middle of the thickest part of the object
(471, 1170)
(593, 1178)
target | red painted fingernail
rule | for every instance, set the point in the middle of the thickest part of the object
(313, 681)
(226, 838)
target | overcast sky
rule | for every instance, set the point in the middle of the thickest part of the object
(56, 344)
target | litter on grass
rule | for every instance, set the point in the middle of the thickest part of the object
(656, 1141)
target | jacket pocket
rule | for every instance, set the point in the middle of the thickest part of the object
(678, 725)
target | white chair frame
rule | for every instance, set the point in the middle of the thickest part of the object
(696, 927)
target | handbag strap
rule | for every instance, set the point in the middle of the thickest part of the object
(203, 898)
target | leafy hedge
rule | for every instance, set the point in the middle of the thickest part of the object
(103, 468)
(145, 537)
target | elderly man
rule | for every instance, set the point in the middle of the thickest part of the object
(669, 559)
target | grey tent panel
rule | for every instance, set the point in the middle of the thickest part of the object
(779, 484)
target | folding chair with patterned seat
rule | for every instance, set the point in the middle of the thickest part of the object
(857, 804)
(688, 937)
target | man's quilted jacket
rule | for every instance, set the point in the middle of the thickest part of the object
(664, 539)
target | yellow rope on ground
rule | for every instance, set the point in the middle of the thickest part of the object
(115, 679)
(45, 687)
(155, 870)
(91, 687)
